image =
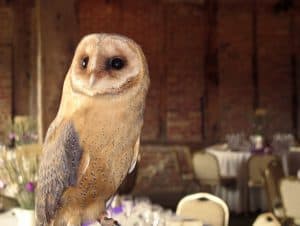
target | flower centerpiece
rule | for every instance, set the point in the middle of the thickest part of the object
(19, 162)
(18, 173)
(22, 130)
(259, 127)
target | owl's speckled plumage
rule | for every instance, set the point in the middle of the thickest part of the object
(94, 140)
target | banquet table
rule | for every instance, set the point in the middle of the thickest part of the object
(234, 164)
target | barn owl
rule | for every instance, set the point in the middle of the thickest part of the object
(94, 140)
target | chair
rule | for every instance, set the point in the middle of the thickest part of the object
(206, 168)
(256, 165)
(273, 174)
(293, 162)
(7, 203)
(290, 194)
(207, 171)
(266, 219)
(205, 207)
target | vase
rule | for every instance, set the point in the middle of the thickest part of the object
(257, 141)
(24, 217)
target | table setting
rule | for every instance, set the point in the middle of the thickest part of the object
(233, 155)
(232, 163)
(139, 211)
(127, 210)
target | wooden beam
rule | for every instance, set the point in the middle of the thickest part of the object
(56, 38)
(256, 102)
(210, 100)
(294, 78)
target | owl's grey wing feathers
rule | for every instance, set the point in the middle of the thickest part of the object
(58, 169)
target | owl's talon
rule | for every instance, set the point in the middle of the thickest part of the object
(106, 221)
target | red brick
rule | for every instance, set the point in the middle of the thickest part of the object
(235, 69)
(274, 68)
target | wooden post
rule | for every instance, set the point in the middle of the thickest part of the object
(6, 69)
(211, 100)
(56, 40)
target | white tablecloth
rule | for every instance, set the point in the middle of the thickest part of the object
(230, 162)
(8, 219)
(234, 164)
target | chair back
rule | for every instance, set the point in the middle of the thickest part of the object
(266, 219)
(207, 208)
(293, 159)
(206, 168)
(290, 194)
(256, 167)
(273, 174)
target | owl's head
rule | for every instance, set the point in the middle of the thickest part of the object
(106, 64)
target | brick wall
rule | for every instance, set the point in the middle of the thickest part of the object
(185, 68)
(175, 56)
(274, 66)
(6, 24)
(252, 48)
(296, 17)
(296, 66)
(102, 16)
(202, 72)
(139, 23)
(235, 49)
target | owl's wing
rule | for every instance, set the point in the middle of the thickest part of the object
(135, 155)
(58, 169)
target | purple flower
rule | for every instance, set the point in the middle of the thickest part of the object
(12, 136)
(2, 184)
(34, 136)
(30, 187)
(87, 223)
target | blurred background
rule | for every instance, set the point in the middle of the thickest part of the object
(217, 68)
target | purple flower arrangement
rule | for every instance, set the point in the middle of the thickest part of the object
(18, 173)
(22, 130)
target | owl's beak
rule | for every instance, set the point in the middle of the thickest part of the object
(92, 80)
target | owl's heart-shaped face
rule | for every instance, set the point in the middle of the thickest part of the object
(105, 64)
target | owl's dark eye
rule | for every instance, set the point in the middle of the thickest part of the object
(115, 63)
(84, 62)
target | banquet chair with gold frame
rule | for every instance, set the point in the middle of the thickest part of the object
(205, 207)
(273, 174)
(256, 166)
(207, 171)
(290, 194)
(266, 219)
